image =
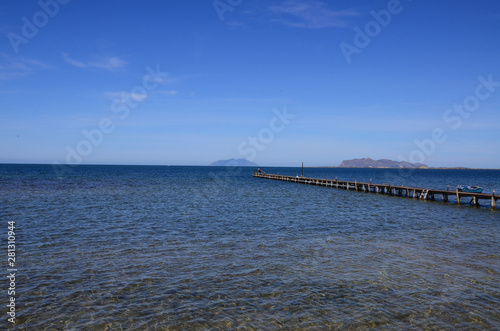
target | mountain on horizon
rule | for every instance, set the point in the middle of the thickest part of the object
(382, 163)
(234, 163)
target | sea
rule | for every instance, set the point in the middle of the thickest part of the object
(213, 248)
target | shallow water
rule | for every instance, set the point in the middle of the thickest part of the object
(145, 248)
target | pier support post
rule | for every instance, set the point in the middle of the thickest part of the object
(458, 196)
(493, 202)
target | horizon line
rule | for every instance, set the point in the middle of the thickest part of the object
(231, 166)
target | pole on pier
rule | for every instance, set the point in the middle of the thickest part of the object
(302, 169)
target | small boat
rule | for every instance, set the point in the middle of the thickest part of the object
(470, 189)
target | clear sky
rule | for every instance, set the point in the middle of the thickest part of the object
(277, 82)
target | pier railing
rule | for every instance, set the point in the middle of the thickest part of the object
(402, 191)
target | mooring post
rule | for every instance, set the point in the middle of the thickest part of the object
(458, 197)
(493, 200)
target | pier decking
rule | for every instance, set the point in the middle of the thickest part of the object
(402, 191)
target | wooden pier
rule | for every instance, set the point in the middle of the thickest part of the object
(401, 191)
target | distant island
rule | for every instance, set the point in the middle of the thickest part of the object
(234, 163)
(382, 163)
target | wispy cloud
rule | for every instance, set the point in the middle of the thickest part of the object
(73, 62)
(162, 78)
(310, 15)
(17, 67)
(124, 97)
(109, 63)
(168, 92)
(8, 92)
(4, 75)
(106, 63)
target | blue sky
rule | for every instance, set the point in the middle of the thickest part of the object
(278, 82)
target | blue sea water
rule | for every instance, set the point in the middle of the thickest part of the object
(198, 248)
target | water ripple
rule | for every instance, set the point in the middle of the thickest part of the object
(150, 248)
